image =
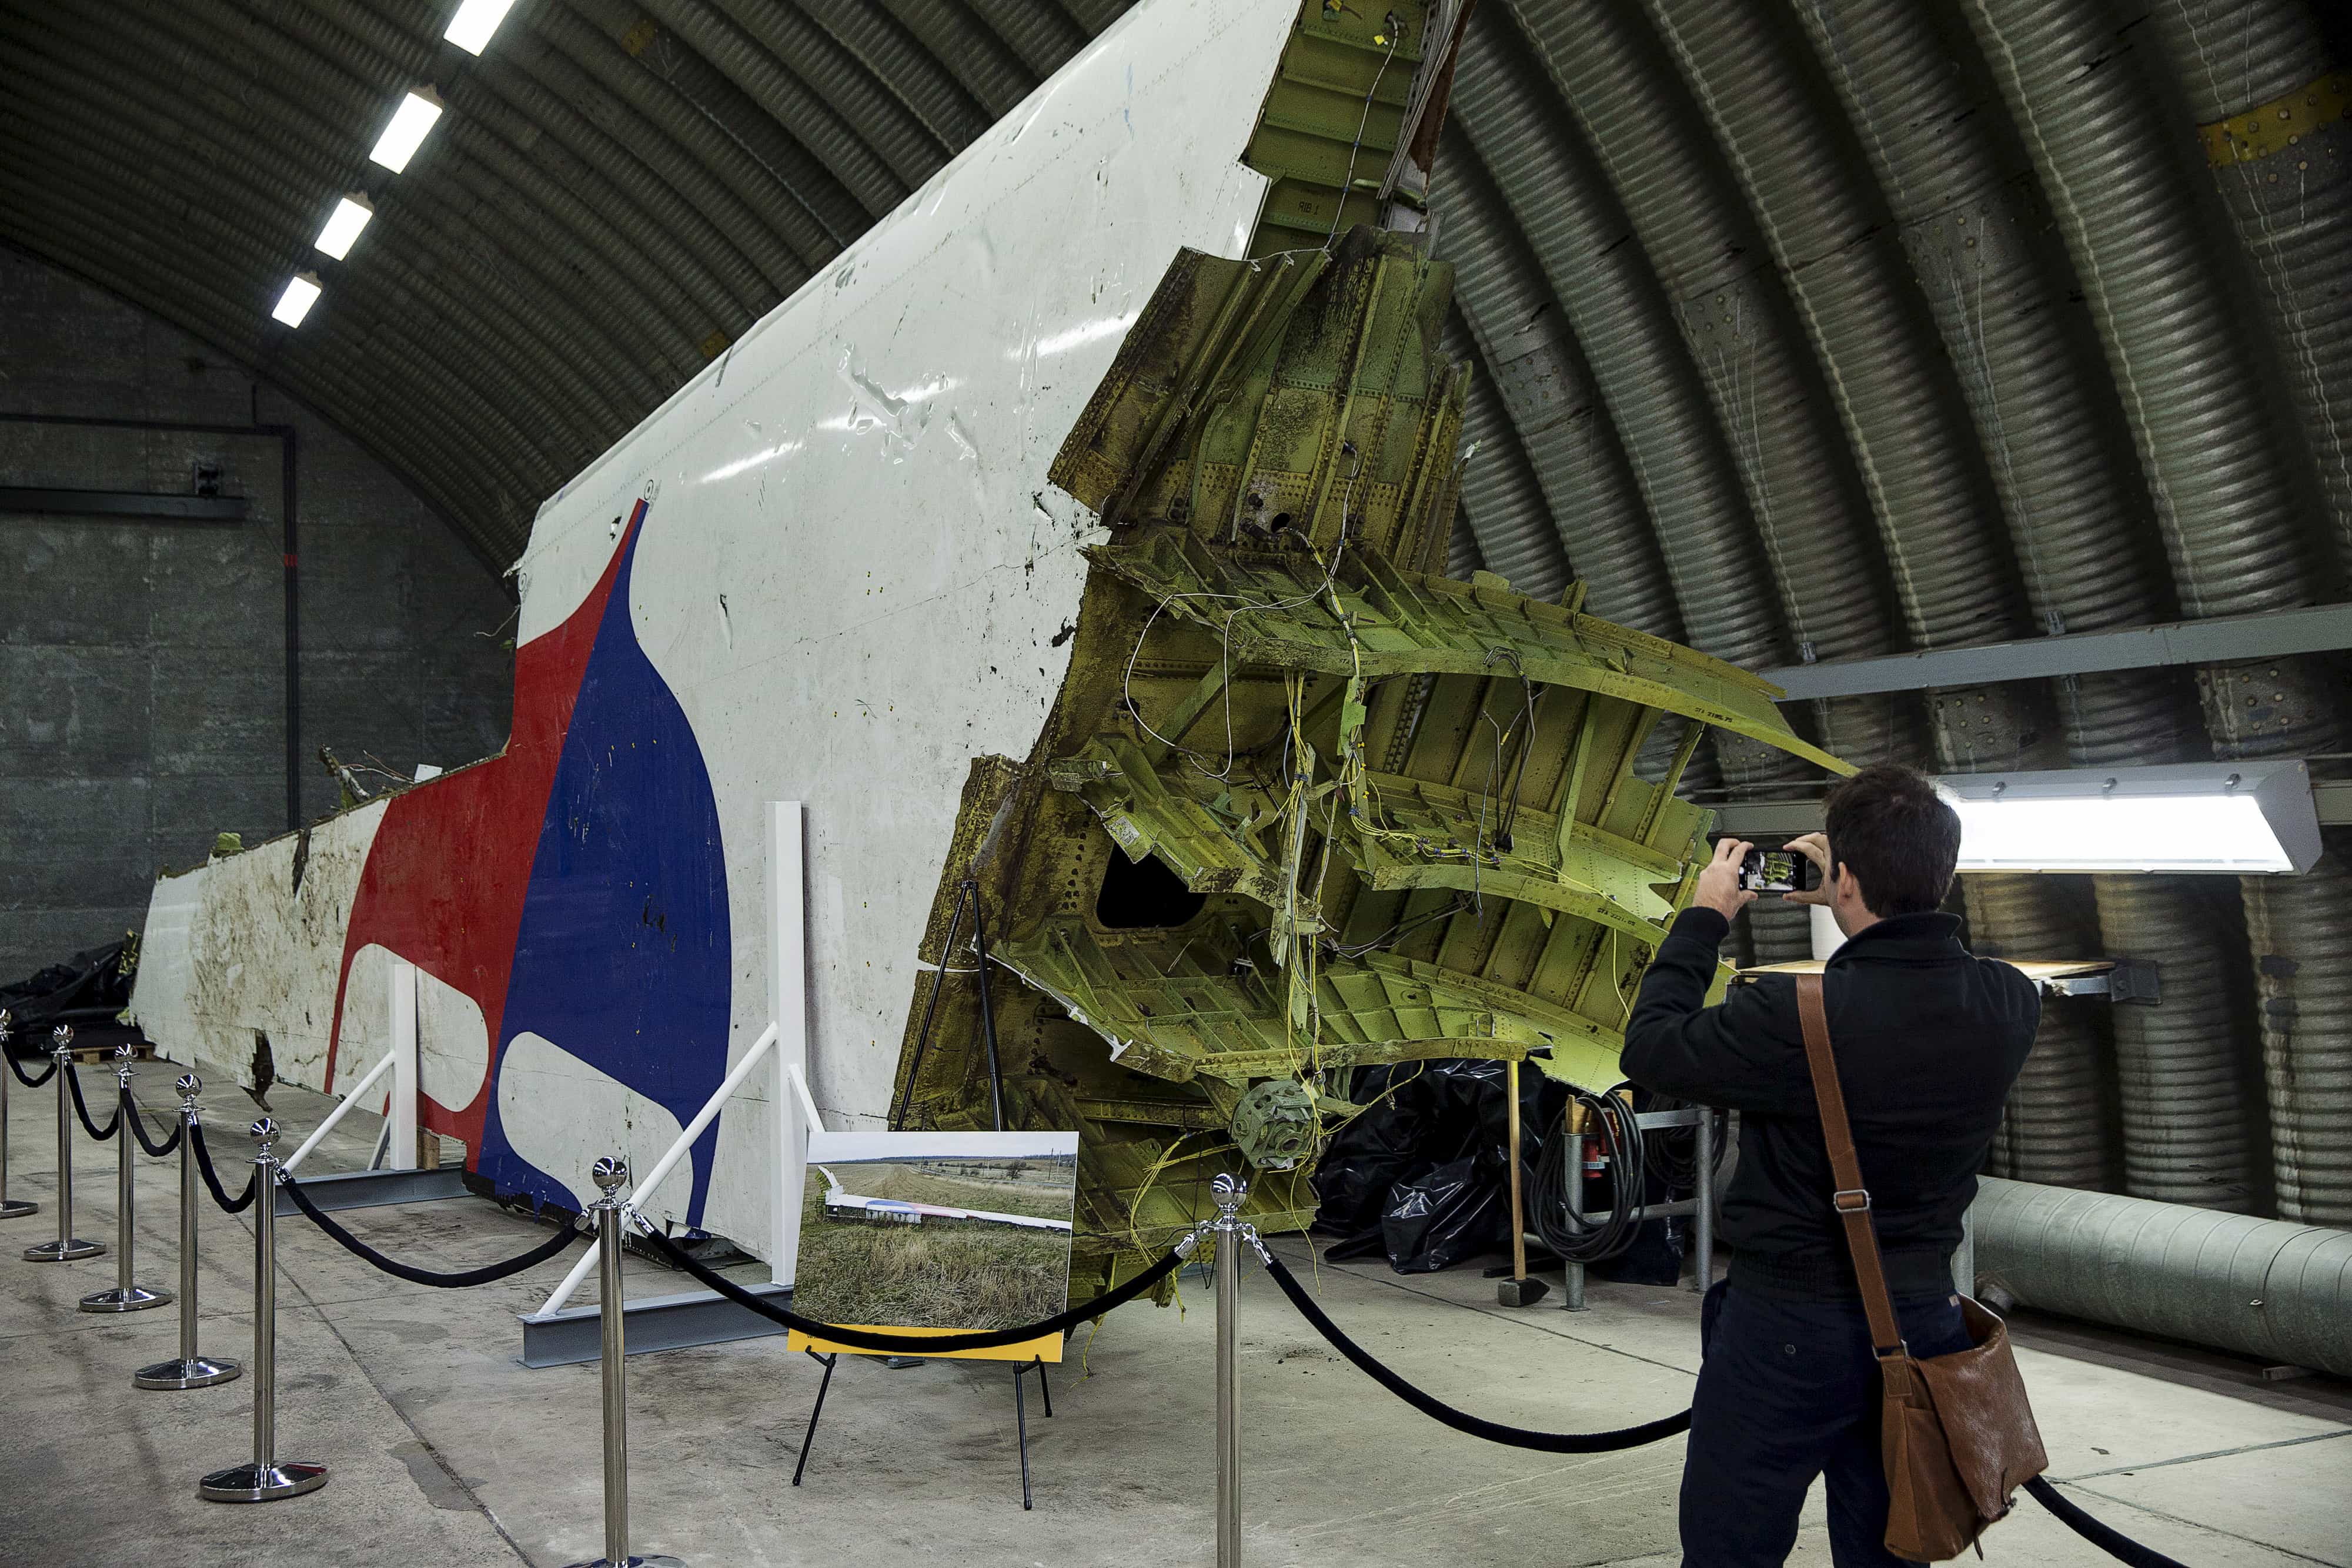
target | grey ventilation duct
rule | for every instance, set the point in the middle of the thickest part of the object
(2263, 1287)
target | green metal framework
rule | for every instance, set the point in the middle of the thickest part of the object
(1305, 805)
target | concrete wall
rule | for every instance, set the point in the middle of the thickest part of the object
(143, 667)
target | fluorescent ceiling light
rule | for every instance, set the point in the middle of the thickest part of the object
(410, 124)
(302, 291)
(476, 20)
(343, 224)
(2239, 818)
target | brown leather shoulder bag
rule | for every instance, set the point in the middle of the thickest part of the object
(1957, 1437)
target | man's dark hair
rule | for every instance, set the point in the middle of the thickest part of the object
(1888, 827)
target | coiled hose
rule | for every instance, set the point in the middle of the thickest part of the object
(1632, 1157)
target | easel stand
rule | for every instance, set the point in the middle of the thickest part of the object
(1020, 1370)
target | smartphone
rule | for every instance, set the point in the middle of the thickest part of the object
(1777, 871)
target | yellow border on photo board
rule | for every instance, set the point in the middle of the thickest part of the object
(1047, 1348)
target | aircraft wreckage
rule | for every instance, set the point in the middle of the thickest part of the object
(1302, 803)
(1133, 421)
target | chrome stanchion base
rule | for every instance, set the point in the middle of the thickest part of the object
(634, 1562)
(125, 1299)
(17, 1208)
(261, 1483)
(201, 1372)
(63, 1251)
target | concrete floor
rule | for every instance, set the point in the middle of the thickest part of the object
(445, 1450)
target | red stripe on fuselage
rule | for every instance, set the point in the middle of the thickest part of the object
(445, 876)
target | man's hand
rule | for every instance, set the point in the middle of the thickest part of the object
(1814, 847)
(1718, 885)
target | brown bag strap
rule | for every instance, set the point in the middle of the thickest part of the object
(1852, 1198)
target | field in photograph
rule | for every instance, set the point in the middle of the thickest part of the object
(1042, 1190)
(947, 1274)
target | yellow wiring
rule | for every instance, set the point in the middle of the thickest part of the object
(1168, 1156)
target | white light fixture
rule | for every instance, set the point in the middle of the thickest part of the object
(302, 291)
(476, 20)
(2238, 817)
(343, 224)
(411, 123)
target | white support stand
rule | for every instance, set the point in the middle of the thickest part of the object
(794, 1111)
(402, 1112)
(399, 1018)
(553, 1335)
(406, 1180)
(384, 1066)
(668, 1162)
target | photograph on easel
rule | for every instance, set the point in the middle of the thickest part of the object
(937, 1230)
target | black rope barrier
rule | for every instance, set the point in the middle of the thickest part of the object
(73, 1082)
(2107, 1538)
(2113, 1541)
(916, 1343)
(1437, 1409)
(489, 1273)
(237, 1205)
(129, 1112)
(25, 1078)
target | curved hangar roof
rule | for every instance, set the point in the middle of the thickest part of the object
(1809, 327)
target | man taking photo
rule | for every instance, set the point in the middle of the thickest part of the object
(1927, 1040)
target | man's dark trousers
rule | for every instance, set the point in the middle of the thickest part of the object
(1787, 1390)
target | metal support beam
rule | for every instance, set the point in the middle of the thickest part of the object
(574, 1334)
(122, 504)
(2270, 635)
(374, 1189)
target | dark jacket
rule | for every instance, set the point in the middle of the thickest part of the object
(1927, 1040)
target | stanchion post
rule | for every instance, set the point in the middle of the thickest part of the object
(193, 1369)
(1229, 1191)
(127, 1296)
(68, 1246)
(267, 1478)
(611, 1174)
(10, 1208)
